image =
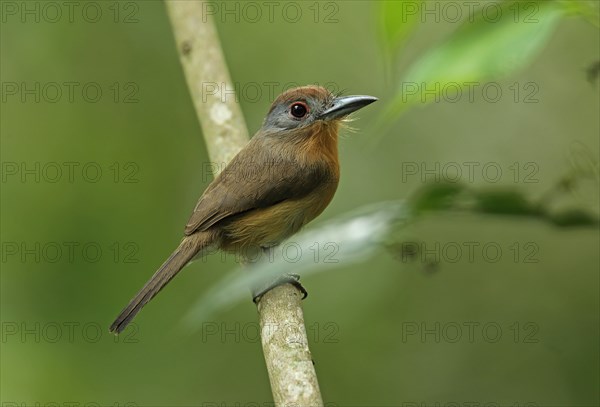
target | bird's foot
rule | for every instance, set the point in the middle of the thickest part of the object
(293, 279)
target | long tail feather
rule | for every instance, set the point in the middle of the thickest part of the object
(188, 248)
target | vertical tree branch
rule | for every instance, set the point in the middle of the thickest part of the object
(285, 344)
(207, 77)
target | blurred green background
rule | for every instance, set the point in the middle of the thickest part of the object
(518, 328)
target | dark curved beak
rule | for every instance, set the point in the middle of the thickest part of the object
(343, 106)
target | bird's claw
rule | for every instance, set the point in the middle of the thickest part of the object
(293, 279)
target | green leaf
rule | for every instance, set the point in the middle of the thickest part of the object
(485, 47)
(505, 202)
(397, 19)
(574, 218)
(436, 197)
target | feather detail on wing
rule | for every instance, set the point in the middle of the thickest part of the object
(257, 177)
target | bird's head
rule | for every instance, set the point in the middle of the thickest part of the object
(299, 108)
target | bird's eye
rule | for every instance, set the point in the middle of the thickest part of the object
(299, 110)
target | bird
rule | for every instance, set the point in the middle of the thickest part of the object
(284, 177)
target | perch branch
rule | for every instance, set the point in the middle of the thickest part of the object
(285, 345)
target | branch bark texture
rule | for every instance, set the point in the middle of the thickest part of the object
(285, 345)
(283, 334)
(207, 78)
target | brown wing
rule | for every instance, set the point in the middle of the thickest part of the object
(257, 177)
